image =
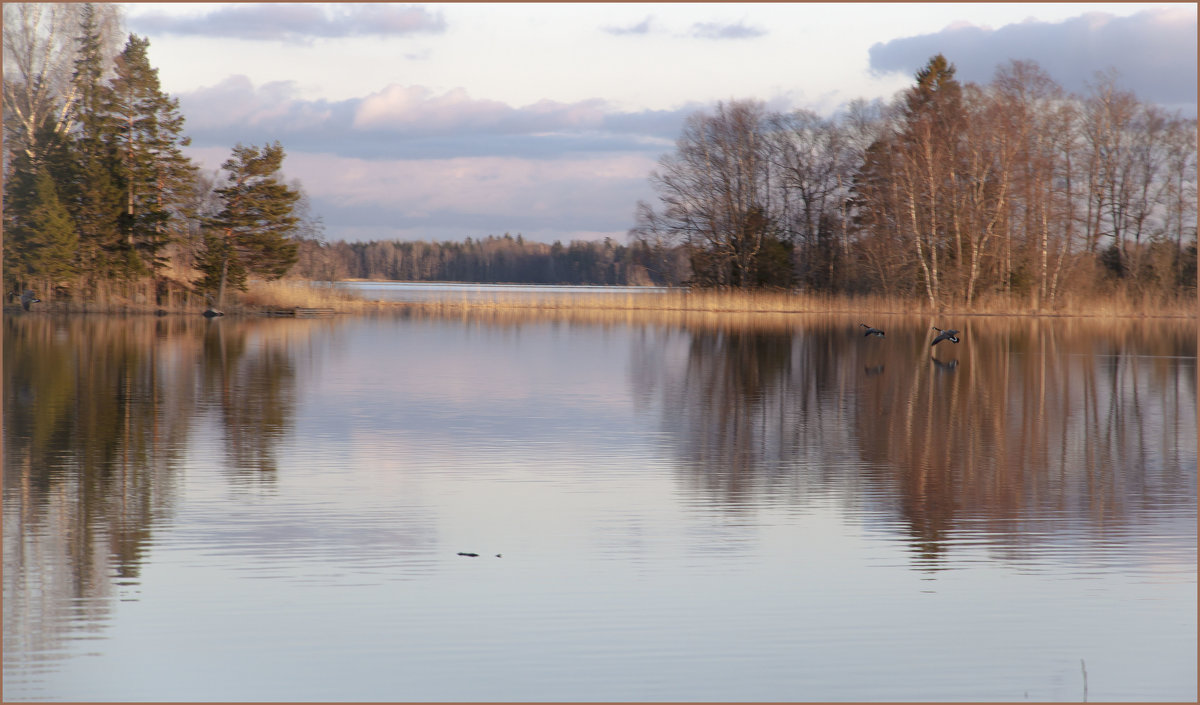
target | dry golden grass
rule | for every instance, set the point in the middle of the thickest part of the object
(292, 294)
(288, 294)
(709, 301)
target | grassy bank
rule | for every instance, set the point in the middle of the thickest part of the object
(709, 301)
(264, 297)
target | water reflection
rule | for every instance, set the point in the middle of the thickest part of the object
(249, 379)
(97, 418)
(333, 452)
(1090, 425)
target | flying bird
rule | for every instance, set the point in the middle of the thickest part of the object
(27, 299)
(951, 335)
(871, 331)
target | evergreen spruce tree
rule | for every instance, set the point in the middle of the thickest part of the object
(46, 156)
(250, 235)
(41, 239)
(95, 202)
(154, 176)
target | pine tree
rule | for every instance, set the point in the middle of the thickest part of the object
(250, 235)
(154, 175)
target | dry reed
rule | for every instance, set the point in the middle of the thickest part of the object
(292, 294)
(776, 302)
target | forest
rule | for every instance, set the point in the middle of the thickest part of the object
(951, 193)
(101, 203)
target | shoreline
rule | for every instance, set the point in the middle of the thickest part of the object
(722, 303)
(296, 297)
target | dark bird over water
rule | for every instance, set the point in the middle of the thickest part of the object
(951, 335)
(871, 331)
(27, 299)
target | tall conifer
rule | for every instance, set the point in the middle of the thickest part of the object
(96, 202)
(42, 233)
(251, 233)
(154, 175)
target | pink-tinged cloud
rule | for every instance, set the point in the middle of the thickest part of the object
(480, 185)
(565, 198)
(410, 121)
(236, 101)
(416, 108)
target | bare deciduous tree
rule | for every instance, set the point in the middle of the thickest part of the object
(39, 59)
(715, 194)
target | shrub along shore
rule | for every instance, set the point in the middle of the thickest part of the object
(265, 298)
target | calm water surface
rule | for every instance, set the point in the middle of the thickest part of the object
(699, 508)
(460, 291)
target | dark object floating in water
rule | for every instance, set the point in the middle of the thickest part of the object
(211, 311)
(497, 555)
(471, 555)
(951, 335)
(871, 331)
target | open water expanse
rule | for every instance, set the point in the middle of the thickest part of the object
(671, 507)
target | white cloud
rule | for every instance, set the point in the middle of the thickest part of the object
(643, 27)
(505, 186)
(415, 122)
(719, 30)
(417, 107)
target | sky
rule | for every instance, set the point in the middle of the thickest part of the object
(441, 122)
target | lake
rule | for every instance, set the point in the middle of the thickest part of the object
(663, 507)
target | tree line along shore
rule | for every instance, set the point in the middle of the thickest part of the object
(1014, 196)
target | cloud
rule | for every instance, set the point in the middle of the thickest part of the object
(577, 197)
(413, 122)
(273, 106)
(1154, 51)
(717, 30)
(410, 163)
(451, 199)
(699, 30)
(642, 27)
(414, 108)
(295, 22)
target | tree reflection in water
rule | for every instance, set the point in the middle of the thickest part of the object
(250, 382)
(1089, 425)
(97, 419)
(1034, 440)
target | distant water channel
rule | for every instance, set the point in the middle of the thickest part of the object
(459, 291)
(705, 508)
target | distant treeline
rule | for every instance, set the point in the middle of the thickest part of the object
(504, 259)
